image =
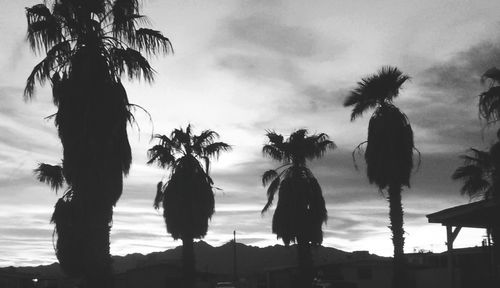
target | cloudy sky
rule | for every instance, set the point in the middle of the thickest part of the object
(241, 67)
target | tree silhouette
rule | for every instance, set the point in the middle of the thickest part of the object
(476, 174)
(489, 100)
(187, 197)
(489, 110)
(300, 211)
(389, 151)
(88, 46)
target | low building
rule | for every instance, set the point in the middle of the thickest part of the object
(162, 275)
(11, 278)
(475, 267)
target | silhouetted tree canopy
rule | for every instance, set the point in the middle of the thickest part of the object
(476, 174)
(301, 207)
(374, 90)
(187, 197)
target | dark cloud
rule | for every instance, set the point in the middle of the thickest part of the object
(461, 73)
(449, 90)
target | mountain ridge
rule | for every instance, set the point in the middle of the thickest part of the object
(218, 260)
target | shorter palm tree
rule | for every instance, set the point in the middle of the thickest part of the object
(187, 198)
(301, 210)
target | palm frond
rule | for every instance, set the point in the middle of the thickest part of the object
(214, 149)
(489, 104)
(206, 137)
(317, 145)
(271, 191)
(492, 74)
(125, 14)
(166, 141)
(127, 6)
(51, 175)
(161, 155)
(69, 246)
(476, 174)
(44, 29)
(152, 42)
(56, 56)
(375, 89)
(132, 62)
(274, 138)
(360, 104)
(159, 195)
(207, 164)
(359, 150)
(181, 137)
(273, 152)
(268, 176)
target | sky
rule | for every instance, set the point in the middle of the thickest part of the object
(243, 67)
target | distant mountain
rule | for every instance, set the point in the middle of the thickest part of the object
(219, 260)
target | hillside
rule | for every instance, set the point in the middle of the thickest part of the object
(250, 259)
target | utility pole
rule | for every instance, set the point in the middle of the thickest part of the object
(235, 274)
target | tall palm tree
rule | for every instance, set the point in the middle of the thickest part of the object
(489, 110)
(389, 151)
(300, 211)
(187, 198)
(88, 46)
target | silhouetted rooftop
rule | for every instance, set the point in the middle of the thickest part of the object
(478, 214)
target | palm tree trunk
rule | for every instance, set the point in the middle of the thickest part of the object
(396, 219)
(188, 265)
(304, 258)
(495, 230)
(97, 257)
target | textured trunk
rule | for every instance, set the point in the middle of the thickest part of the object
(495, 230)
(304, 258)
(396, 218)
(97, 258)
(188, 266)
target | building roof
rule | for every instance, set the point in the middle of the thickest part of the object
(478, 214)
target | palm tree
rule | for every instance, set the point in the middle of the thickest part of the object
(489, 110)
(476, 174)
(389, 151)
(187, 197)
(300, 211)
(88, 46)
